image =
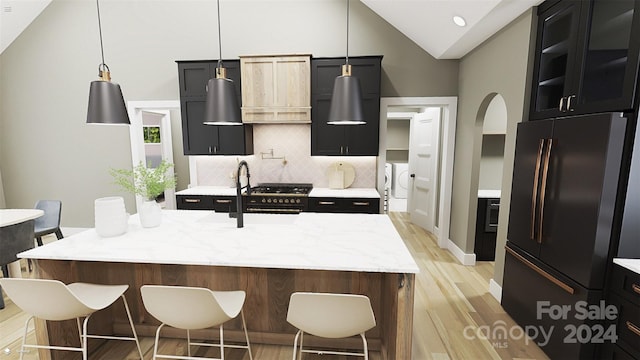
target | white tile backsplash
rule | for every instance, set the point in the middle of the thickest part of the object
(293, 142)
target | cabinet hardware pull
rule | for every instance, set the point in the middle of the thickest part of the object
(341, 150)
(326, 202)
(543, 190)
(636, 288)
(569, 102)
(534, 192)
(219, 201)
(361, 203)
(561, 103)
(347, 150)
(633, 328)
(541, 272)
(209, 149)
(193, 201)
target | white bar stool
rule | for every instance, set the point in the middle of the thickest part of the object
(52, 300)
(191, 308)
(332, 316)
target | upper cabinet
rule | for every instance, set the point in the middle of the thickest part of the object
(586, 59)
(201, 139)
(345, 140)
(276, 89)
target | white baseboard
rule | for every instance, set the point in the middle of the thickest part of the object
(464, 259)
(495, 290)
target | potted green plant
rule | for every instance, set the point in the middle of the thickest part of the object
(149, 183)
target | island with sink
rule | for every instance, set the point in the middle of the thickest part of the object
(272, 256)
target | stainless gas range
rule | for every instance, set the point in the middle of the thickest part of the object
(277, 198)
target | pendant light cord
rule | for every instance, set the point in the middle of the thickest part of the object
(347, 32)
(100, 31)
(219, 38)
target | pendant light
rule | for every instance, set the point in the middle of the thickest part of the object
(346, 100)
(222, 106)
(106, 104)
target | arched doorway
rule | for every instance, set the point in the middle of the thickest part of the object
(492, 119)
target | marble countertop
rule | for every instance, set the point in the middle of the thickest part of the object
(369, 193)
(631, 264)
(209, 190)
(10, 217)
(489, 194)
(353, 242)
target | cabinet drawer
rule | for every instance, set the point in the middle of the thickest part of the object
(194, 202)
(626, 283)
(628, 325)
(345, 205)
(224, 204)
(528, 284)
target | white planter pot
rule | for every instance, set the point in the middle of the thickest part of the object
(150, 214)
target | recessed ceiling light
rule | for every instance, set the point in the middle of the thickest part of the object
(459, 20)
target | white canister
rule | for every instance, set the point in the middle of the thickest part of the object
(111, 218)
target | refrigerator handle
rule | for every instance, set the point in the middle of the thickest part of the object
(541, 272)
(534, 192)
(543, 190)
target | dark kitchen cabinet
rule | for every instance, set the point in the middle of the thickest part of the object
(201, 139)
(625, 296)
(564, 190)
(587, 55)
(345, 140)
(344, 205)
(206, 202)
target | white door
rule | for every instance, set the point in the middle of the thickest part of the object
(423, 168)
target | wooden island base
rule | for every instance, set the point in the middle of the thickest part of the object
(265, 309)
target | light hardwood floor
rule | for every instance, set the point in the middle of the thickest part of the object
(454, 313)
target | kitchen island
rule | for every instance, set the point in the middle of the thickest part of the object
(271, 257)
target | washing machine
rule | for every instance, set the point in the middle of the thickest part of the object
(388, 175)
(400, 180)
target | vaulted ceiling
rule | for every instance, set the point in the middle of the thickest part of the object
(427, 22)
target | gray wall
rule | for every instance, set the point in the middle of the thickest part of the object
(491, 162)
(47, 150)
(498, 66)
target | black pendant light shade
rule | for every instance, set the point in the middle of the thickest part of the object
(106, 104)
(346, 102)
(222, 106)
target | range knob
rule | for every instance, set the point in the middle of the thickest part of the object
(264, 200)
(269, 201)
(297, 201)
(286, 201)
(280, 201)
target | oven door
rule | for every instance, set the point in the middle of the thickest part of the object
(272, 205)
(491, 217)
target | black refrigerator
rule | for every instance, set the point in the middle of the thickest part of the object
(568, 195)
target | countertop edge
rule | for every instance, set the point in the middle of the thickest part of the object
(629, 264)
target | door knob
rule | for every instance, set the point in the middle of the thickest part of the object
(412, 175)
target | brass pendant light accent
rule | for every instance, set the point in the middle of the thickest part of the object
(106, 103)
(346, 100)
(222, 106)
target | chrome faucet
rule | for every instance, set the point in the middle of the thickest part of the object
(239, 187)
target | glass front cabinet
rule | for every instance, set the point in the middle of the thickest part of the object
(586, 57)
